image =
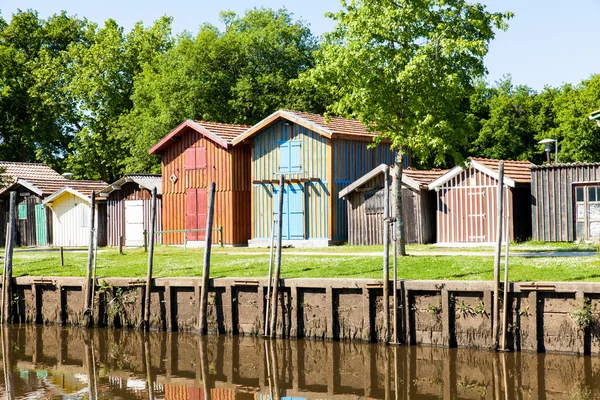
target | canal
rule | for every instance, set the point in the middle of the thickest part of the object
(59, 362)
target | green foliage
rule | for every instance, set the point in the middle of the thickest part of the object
(583, 317)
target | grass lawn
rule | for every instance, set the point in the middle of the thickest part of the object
(174, 261)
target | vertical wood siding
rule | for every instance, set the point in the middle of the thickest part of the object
(552, 208)
(467, 209)
(229, 169)
(26, 228)
(351, 160)
(70, 219)
(265, 166)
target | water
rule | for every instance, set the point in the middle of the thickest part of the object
(58, 362)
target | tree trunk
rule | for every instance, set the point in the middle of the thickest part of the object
(400, 236)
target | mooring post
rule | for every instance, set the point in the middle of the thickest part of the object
(505, 306)
(8, 256)
(206, 265)
(386, 256)
(150, 262)
(275, 296)
(496, 320)
(121, 243)
(88, 276)
(269, 277)
(62, 256)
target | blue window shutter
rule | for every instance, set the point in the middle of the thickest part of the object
(284, 157)
(295, 156)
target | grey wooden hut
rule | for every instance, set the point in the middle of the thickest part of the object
(365, 199)
(566, 202)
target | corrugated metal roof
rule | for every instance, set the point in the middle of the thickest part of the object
(518, 171)
(145, 181)
(565, 165)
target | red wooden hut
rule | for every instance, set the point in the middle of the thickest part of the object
(193, 155)
(467, 201)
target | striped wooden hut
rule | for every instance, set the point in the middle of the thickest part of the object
(193, 155)
(319, 157)
(467, 201)
(71, 207)
(33, 182)
(129, 207)
(566, 202)
(365, 198)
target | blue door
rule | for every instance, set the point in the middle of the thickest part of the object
(293, 211)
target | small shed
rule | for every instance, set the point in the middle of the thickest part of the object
(129, 208)
(193, 155)
(467, 201)
(70, 207)
(33, 182)
(365, 198)
(566, 202)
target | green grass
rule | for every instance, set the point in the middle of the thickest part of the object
(174, 262)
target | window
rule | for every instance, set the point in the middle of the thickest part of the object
(290, 156)
(195, 158)
(23, 211)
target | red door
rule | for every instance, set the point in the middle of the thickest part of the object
(195, 213)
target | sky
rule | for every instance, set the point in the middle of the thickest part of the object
(549, 42)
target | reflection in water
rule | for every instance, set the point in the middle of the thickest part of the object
(51, 362)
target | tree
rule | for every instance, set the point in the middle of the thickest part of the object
(238, 75)
(403, 68)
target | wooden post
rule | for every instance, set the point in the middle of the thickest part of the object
(121, 244)
(206, 266)
(505, 307)
(8, 256)
(62, 256)
(401, 237)
(396, 322)
(145, 241)
(88, 276)
(386, 257)
(94, 272)
(275, 295)
(496, 320)
(150, 261)
(270, 276)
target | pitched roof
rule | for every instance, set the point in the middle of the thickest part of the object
(222, 134)
(414, 178)
(145, 181)
(515, 172)
(82, 189)
(13, 171)
(325, 126)
(566, 165)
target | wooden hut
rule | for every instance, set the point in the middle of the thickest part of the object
(33, 182)
(193, 155)
(319, 157)
(365, 198)
(70, 207)
(129, 208)
(565, 202)
(467, 201)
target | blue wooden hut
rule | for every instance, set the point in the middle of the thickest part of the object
(319, 157)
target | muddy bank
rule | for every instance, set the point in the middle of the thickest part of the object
(557, 317)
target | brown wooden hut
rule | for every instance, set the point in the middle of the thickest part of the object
(467, 201)
(365, 198)
(193, 155)
(129, 208)
(565, 202)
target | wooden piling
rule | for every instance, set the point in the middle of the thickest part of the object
(150, 262)
(505, 306)
(275, 285)
(8, 257)
(206, 265)
(121, 243)
(88, 276)
(386, 257)
(496, 320)
(270, 276)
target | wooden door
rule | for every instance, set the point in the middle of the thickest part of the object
(41, 237)
(134, 223)
(293, 212)
(195, 213)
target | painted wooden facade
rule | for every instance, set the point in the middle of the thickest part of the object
(319, 158)
(565, 202)
(365, 198)
(129, 209)
(71, 213)
(193, 155)
(467, 202)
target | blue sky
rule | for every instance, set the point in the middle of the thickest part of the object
(549, 42)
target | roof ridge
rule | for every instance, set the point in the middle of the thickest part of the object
(201, 121)
(498, 160)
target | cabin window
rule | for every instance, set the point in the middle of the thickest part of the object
(23, 211)
(374, 201)
(587, 212)
(290, 156)
(195, 158)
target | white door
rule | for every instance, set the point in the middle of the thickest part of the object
(134, 223)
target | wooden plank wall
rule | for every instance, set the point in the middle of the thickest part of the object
(220, 169)
(552, 215)
(467, 209)
(265, 166)
(351, 160)
(26, 235)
